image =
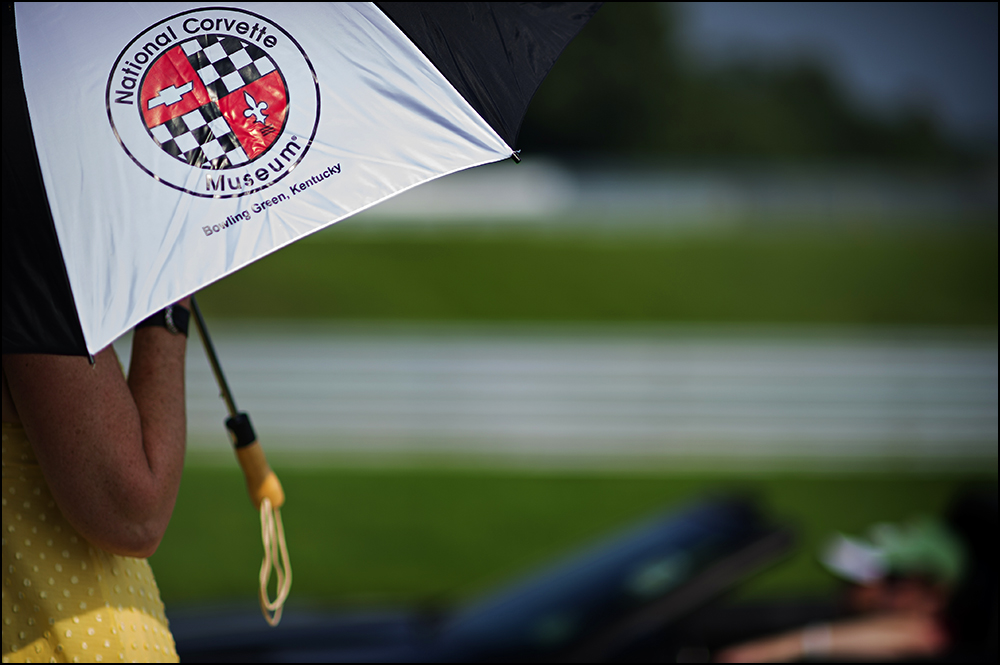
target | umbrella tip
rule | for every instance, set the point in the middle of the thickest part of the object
(516, 156)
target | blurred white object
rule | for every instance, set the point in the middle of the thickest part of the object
(854, 560)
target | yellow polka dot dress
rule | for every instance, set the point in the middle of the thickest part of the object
(64, 600)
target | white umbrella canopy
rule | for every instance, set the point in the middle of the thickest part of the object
(177, 143)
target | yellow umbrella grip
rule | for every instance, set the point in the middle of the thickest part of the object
(261, 480)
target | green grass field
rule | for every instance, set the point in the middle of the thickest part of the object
(926, 276)
(435, 537)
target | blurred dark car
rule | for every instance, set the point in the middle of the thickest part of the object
(646, 594)
(616, 600)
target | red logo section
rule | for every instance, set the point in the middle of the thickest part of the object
(256, 113)
(171, 89)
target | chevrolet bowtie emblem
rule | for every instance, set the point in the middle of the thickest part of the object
(171, 95)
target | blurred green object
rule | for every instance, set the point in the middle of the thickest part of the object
(839, 276)
(922, 547)
(433, 537)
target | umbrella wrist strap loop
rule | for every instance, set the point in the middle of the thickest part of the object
(276, 558)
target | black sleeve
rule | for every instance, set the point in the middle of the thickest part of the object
(39, 314)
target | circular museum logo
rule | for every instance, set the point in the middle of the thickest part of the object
(202, 101)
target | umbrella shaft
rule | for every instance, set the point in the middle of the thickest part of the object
(213, 359)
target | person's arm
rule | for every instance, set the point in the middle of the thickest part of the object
(891, 636)
(111, 451)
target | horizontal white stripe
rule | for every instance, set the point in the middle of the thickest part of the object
(614, 395)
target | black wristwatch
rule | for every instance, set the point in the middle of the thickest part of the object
(172, 317)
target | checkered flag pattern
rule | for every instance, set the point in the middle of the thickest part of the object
(201, 138)
(225, 63)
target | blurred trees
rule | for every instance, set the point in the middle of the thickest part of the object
(623, 86)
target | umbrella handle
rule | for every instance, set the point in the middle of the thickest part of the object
(268, 496)
(262, 484)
